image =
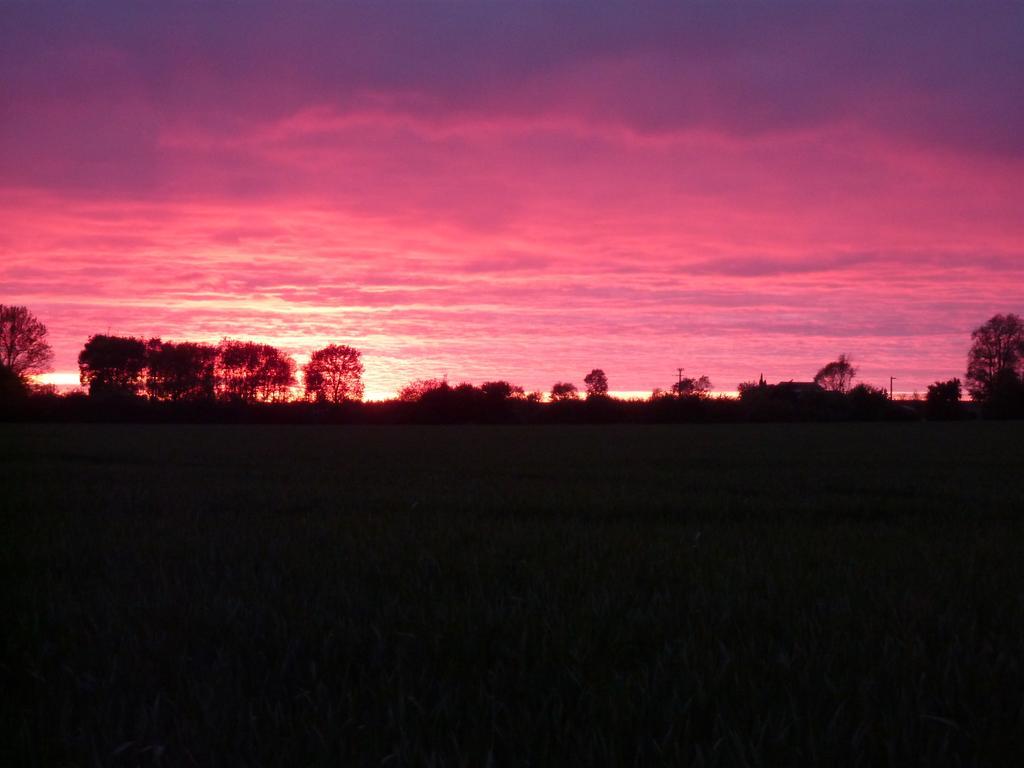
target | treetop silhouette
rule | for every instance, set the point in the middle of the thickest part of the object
(246, 373)
(334, 374)
(24, 349)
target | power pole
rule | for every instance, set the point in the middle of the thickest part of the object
(891, 380)
(679, 386)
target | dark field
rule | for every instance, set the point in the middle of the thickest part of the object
(708, 595)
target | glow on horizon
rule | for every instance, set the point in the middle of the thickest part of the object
(68, 380)
(734, 192)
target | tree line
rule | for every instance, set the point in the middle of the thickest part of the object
(234, 371)
(118, 371)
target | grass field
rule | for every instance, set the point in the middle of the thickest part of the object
(722, 595)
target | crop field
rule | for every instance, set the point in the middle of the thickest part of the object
(718, 595)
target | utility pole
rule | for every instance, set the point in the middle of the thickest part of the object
(679, 386)
(891, 380)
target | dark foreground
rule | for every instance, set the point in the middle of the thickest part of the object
(720, 595)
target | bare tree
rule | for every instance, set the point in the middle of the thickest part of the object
(334, 374)
(597, 383)
(996, 355)
(837, 376)
(23, 346)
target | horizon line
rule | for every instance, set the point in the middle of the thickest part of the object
(68, 382)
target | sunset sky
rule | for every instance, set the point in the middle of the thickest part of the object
(523, 190)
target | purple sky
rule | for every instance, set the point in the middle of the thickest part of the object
(524, 191)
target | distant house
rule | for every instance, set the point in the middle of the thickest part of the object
(791, 391)
(797, 389)
(787, 391)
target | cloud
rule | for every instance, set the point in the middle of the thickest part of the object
(915, 72)
(514, 190)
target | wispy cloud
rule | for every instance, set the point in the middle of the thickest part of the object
(521, 192)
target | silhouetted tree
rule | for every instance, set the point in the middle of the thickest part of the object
(943, 400)
(996, 359)
(596, 383)
(1007, 396)
(23, 347)
(184, 371)
(694, 388)
(112, 365)
(415, 390)
(563, 390)
(334, 374)
(248, 372)
(837, 376)
(13, 389)
(868, 402)
(502, 390)
(435, 401)
(752, 389)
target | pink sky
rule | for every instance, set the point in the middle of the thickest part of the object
(521, 191)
